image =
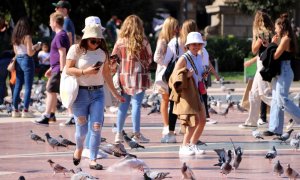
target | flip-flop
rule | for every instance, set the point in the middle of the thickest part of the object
(96, 167)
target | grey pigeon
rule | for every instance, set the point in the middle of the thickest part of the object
(298, 135)
(211, 110)
(36, 137)
(128, 163)
(257, 134)
(132, 144)
(155, 107)
(271, 154)
(223, 156)
(53, 142)
(226, 168)
(187, 172)
(240, 108)
(65, 141)
(116, 150)
(80, 175)
(237, 155)
(278, 169)
(291, 173)
(155, 175)
(285, 136)
(294, 142)
(58, 168)
(225, 112)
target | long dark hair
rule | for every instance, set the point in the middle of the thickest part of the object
(22, 28)
(286, 29)
(83, 46)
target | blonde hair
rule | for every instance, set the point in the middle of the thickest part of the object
(262, 23)
(187, 27)
(133, 31)
(168, 29)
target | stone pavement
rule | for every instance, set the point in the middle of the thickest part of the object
(19, 155)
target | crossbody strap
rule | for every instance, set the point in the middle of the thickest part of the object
(189, 58)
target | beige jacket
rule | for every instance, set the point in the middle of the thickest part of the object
(185, 96)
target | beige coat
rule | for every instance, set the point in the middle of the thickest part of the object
(185, 96)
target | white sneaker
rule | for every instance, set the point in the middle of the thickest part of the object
(15, 114)
(262, 123)
(290, 124)
(119, 138)
(210, 121)
(100, 155)
(186, 150)
(197, 150)
(138, 137)
(27, 114)
(165, 130)
(168, 138)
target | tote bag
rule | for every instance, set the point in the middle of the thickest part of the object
(68, 89)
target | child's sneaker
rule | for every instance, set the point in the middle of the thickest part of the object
(27, 114)
(15, 114)
(186, 150)
(197, 150)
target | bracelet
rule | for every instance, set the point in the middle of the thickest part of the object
(82, 72)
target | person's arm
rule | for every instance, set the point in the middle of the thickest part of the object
(283, 46)
(250, 62)
(160, 52)
(31, 50)
(70, 37)
(213, 71)
(62, 57)
(256, 43)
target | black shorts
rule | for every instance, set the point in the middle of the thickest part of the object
(54, 81)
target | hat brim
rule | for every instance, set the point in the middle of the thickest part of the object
(193, 42)
(54, 4)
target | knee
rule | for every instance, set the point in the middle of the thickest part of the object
(81, 120)
(96, 127)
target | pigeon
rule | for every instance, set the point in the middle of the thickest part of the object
(284, 137)
(278, 169)
(132, 144)
(257, 134)
(53, 142)
(80, 175)
(128, 163)
(36, 137)
(21, 178)
(298, 135)
(116, 150)
(223, 156)
(291, 173)
(65, 141)
(294, 142)
(200, 143)
(240, 108)
(271, 154)
(58, 168)
(226, 167)
(212, 111)
(155, 175)
(155, 107)
(187, 172)
(237, 155)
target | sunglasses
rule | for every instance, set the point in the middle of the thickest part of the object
(95, 41)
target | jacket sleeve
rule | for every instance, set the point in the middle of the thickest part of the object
(177, 82)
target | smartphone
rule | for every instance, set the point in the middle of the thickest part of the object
(39, 43)
(98, 65)
(114, 58)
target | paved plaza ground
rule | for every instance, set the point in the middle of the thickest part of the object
(19, 155)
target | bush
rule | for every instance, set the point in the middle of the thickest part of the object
(229, 51)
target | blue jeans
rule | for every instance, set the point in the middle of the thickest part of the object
(89, 105)
(136, 102)
(280, 101)
(3, 75)
(24, 74)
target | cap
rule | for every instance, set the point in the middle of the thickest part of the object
(62, 4)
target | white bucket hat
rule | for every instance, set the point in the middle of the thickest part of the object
(92, 31)
(92, 20)
(194, 37)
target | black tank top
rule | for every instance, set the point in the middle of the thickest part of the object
(286, 56)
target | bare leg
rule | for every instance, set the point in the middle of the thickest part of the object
(51, 102)
(189, 131)
(164, 109)
(201, 120)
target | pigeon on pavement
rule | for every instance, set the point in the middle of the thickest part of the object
(257, 134)
(237, 155)
(65, 141)
(271, 154)
(58, 168)
(36, 137)
(53, 142)
(291, 173)
(294, 142)
(240, 108)
(128, 163)
(223, 156)
(187, 172)
(285, 136)
(132, 144)
(226, 167)
(278, 169)
(156, 175)
(116, 150)
(80, 175)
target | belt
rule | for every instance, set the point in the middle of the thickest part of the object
(91, 88)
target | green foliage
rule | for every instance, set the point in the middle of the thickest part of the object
(229, 51)
(274, 7)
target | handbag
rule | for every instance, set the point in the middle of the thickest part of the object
(202, 88)
(167, 74)
(68, 89)
(12, 65)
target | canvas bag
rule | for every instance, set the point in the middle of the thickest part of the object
(68, 89)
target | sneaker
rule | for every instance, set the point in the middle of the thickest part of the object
(52, 119)
(262, 123)
(270, 133)
(165, 130)
(246, 126)
(27, 114)
(186, 150)
(15, 114)
(138, 137)
(197, 150)
(119, 138)
(168, 138)
(42, 121)
(69, 122)
(290, 124)
(210, 121)
(100, 155)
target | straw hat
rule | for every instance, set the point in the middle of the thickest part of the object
(194, 37)
(92, 31)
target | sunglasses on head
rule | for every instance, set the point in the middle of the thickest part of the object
(95, 41)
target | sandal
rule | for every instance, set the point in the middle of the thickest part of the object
(96, 167)
(75, 160)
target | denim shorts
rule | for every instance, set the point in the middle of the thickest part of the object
(90, 104)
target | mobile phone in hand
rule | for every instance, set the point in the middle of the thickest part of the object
(98, 65)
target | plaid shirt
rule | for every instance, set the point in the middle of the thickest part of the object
(134, 74)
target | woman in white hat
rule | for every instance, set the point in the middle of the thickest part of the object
(191, 61)
(88, 61)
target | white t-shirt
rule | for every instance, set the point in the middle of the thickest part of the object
(171, 50)
(84, 61)
(205, 57)
(42, 55)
